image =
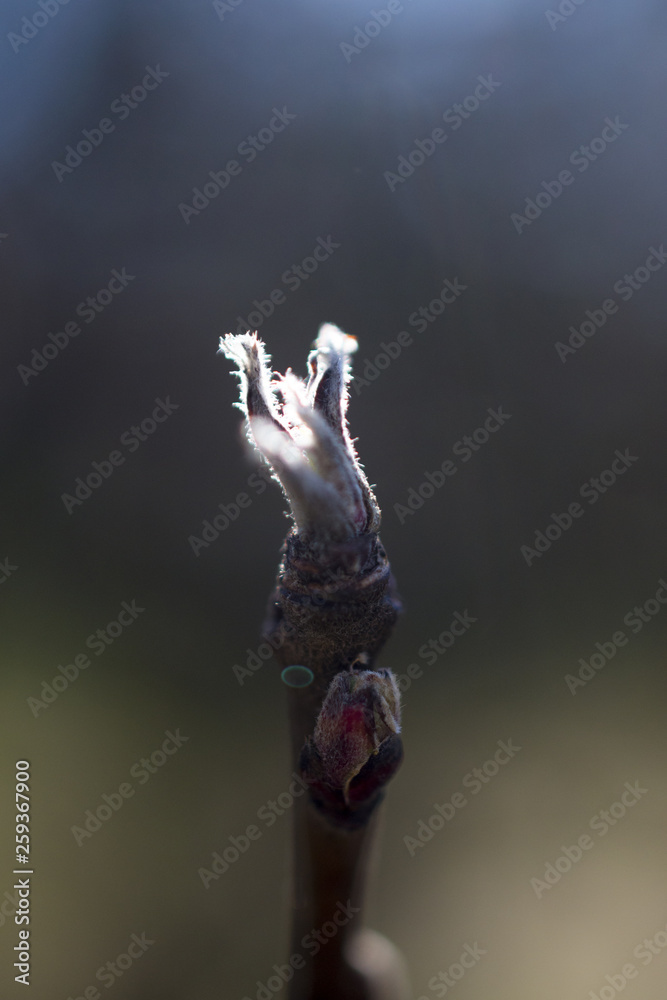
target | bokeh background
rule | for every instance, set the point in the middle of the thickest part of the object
(557, 78)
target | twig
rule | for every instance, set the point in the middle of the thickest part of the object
(332, 610)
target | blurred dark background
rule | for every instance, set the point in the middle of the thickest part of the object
(224, 71)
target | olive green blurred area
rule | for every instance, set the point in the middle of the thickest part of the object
(540, 860)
